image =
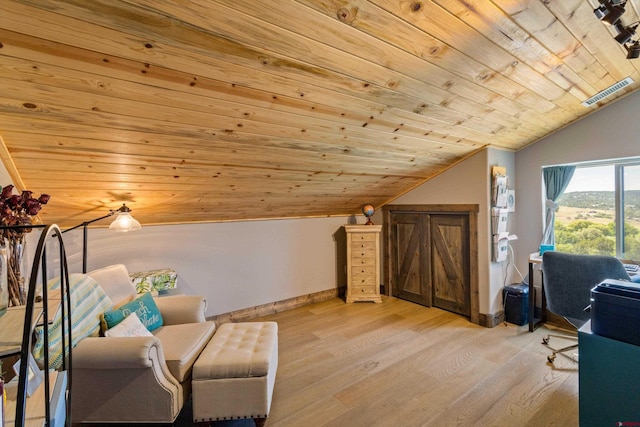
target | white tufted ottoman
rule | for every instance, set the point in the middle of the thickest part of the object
(234, 375)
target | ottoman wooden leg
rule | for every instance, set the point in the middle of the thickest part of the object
(259, 421)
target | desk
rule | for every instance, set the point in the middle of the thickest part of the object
(608, 380)
(535, 258)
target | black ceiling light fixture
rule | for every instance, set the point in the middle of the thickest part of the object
(633, 50)
(600, 11)
(625, 33)
(610, 12)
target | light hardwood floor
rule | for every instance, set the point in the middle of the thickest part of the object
(401, 364)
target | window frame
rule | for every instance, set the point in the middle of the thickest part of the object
(618, 165)
(619, 198)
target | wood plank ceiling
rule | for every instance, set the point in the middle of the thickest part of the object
(217, 110)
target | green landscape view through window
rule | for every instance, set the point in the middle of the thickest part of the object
(586, 221)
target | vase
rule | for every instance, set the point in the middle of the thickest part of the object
(3, 399)
(17, 276)
(4, 282)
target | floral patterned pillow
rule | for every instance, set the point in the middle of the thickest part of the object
(154, 280)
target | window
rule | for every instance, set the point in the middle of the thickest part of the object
(589, 217)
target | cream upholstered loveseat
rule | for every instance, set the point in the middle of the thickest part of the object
(138, 379)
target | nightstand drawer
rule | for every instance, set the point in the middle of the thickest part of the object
(363, 237)
(358, 259)
(368, 252)
(367, 279)
(364, 268)
(365, 290)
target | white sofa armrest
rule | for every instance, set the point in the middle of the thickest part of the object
(115, 352)
(123, 380)
(179, 309)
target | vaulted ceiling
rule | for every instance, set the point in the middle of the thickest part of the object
(216, 110)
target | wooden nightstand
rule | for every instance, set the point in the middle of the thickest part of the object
(363, 263)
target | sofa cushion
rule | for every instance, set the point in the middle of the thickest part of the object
(131, 326)
(182, 344)
(115, 282)
(144, 306)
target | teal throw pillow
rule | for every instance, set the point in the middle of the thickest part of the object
(144, 306)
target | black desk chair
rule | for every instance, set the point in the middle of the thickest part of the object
(568, 280)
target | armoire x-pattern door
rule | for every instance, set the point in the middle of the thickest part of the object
(429, 259)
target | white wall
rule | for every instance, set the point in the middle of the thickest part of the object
(5, 179)
(611, 133)
(501, 273)
(235, 265)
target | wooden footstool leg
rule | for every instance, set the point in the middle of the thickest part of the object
(259, 421)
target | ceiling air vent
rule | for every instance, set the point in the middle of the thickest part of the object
(608, 92)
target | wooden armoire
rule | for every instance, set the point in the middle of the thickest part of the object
(431, 256)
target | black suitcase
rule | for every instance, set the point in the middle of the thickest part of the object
(615, 310)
